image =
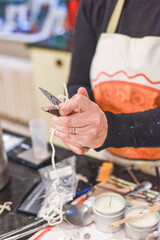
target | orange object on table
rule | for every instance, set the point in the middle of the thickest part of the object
(105, 171)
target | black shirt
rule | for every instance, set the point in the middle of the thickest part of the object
(139, 18)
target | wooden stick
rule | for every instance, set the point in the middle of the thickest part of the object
(153, 235)
(140, 214)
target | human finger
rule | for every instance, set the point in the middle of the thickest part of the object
(83, 92)
(76, 148)
(83, 140)
(92, 135)
(69, 130)
(78, 101)
(80, 119)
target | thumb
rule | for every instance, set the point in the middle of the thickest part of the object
(83, 92)
(78, 103)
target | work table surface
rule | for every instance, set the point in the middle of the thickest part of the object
(23, 178)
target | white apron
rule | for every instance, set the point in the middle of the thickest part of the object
(125, 77)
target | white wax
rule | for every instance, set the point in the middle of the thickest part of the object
(109, 203)
(144, 221)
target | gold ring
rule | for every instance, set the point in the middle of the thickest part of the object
(73, 130)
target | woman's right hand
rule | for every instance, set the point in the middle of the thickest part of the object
(88, 120)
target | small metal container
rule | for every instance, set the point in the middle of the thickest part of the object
(103, 216)
(138, 232)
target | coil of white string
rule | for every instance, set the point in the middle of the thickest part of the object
(5, 206)
(52, 210)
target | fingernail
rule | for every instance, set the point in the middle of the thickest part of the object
(61, 112)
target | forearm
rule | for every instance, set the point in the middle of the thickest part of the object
(133, 130)
(82, 53)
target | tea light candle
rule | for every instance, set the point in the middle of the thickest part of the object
(108, 207)
(139, 228)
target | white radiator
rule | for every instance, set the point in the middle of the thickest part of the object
(16, 89)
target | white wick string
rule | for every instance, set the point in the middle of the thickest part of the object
(66, 96)
(52, 209)
(5, 206)
(52, 212)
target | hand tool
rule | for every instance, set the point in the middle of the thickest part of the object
(51, 109)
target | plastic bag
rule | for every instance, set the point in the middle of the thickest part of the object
(58, 191)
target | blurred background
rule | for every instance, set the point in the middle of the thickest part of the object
(36, 38)
(33, 17)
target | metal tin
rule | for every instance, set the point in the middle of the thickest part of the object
(140, 232)
(103, 219)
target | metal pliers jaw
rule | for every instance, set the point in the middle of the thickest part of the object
(51, 109)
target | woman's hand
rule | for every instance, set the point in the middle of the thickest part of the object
(82, 124)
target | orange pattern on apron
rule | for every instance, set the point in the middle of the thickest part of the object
(118, 97)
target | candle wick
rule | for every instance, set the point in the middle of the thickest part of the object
(110, 201)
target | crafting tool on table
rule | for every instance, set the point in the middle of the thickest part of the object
(79, 214)
(25, 231)
(88, 195)
(51, 109)
(146, 197)
(129, 170)
(105, 171)
(140, 188)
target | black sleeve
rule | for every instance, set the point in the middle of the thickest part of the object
(141, 129)
(83, 51)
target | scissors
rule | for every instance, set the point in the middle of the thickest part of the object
(51, 109)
